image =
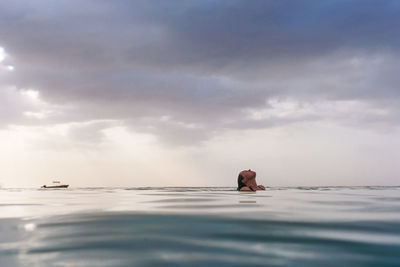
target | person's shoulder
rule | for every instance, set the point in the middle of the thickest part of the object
(245, 189)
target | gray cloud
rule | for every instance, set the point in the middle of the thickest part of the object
(201, 63)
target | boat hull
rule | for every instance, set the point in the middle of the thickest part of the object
(56, 186)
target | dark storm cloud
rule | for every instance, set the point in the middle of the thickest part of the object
(200, 63)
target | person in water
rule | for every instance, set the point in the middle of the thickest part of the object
(247, 181)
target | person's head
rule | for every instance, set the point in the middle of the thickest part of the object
(249, 174)
(250, 177)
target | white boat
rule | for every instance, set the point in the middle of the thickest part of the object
(56, 184)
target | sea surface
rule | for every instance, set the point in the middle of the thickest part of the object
(282, 226)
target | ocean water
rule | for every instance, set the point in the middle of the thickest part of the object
(303, 226)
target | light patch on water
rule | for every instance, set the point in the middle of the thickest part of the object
(2, 54)
(29, 227)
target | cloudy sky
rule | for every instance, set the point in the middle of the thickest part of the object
(188, 93)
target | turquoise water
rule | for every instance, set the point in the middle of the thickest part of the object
(303, 226)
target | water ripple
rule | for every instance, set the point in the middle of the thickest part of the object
(298, 226)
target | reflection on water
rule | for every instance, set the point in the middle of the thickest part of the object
(335, 226)
(247, 201)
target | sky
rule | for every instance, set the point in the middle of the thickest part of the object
(189, 93)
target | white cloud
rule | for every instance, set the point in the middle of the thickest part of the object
(339, 111)
(30, 93)
(36, 115)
